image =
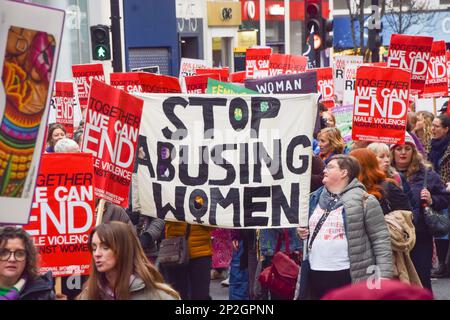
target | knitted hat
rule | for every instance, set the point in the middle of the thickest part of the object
(408, 140)
(387, 290)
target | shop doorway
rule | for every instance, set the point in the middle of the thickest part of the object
(189, 47)
(222, 51)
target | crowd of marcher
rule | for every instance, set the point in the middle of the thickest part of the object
(364, 200)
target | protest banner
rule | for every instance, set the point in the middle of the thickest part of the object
(224, 73)
(197, 84)
(448, 69)
(286, 64)
(381, 104)
(344, 117)
(436, 84)
(134, 82)
(305, 82)
(411, 53)
(325, 85)
(149, 69)
(250, 169)
(217, 87)
(237, 77)
(340, 62)
(83, 75)
(30, 39)
(188, 67)
(349, 84)
(63, 213)
(111, 132)
(257, 62)
(63, 105)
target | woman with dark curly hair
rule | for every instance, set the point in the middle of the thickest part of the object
(19, 278)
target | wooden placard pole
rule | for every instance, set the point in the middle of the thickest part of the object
(101, 206)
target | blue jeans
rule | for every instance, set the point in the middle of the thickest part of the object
(238, 289)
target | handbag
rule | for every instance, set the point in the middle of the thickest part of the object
(174, 251)
(281, 276)
(437, 221)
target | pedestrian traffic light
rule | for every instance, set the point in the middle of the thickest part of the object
(375, 41)
(327, 37)
(100, 43)
(313, 17)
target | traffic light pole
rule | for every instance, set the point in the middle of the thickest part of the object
(116, 37)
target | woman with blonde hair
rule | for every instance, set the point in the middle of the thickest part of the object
(330, 143)
(383, 155)
(423, 128)
(120, 270)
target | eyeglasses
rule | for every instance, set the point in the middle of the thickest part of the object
(19, 255)
(435, 126)
(330, 167)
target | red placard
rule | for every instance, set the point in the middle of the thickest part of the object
(257, 62)
(63, 213)
(448, 69)
(381, 104)
(286, 64)
(223, 73)
(411, 53)
(325, 85)
(199, 83)
(237, 77)
(83, 74)
(63, 102)
(437, 80)
(133, 82)
(111, 133)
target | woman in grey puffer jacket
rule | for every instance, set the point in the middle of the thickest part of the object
(353, 242)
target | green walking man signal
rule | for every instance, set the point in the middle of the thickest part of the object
(100, 42)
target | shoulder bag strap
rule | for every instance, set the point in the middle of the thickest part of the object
(318, 227)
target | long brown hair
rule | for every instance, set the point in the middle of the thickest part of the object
(417, 162)
(7, 233)
(334, 137)
(371, 175)
(52, 128)
(130, 260)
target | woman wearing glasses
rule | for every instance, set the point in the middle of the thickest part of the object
(19, 279)
(348, 239)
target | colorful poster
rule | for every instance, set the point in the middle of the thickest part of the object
(142, 82)
(325, 86)
(111, 134)
(218, 87)
(381, 104)
(63, 213)
(198, 84)
(286, 64)
(437, 80)
(411, 53)
(237, 161)
(63, 103)
(257, 62)
(344, 117)
(188, 68)
(340, 62)
(224, 73)
(448, 70)
(305, 82)
(30, 38)
(83, 75)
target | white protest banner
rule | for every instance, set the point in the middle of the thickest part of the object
(30, 38)
(349, 84)
(188, 68)
(248, 157)
(338, 72)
